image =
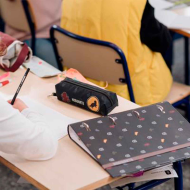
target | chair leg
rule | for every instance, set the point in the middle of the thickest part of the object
(188, 109)
(151, 184)
(168, 56)
(33, 44)
(178, 181)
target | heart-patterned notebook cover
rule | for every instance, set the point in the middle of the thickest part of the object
(136, 140)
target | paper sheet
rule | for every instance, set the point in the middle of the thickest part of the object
(56, 122)
(158, 173)
(41, 68)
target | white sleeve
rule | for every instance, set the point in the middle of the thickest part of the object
(27, 136)
(34, 117)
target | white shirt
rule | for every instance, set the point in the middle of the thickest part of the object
(25, 134)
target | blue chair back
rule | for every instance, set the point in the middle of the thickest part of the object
(95, 59)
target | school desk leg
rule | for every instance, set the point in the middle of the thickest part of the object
(186, 60)
(188, 108)
(178, 181)
(168, 55)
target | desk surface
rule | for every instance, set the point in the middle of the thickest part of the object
(184, 12)
(71, 168)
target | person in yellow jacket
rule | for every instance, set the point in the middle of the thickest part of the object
(119, 22)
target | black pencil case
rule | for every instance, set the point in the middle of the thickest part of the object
(86, 96)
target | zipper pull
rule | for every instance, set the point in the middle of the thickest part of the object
(53, 94)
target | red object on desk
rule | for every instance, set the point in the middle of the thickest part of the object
(4, 76)
(4, 83)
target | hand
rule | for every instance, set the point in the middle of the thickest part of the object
(19, 105)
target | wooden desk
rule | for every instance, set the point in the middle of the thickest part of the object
(186, 34)
(71, 168)
(184, 12)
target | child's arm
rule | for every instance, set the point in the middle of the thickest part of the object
(28, 138)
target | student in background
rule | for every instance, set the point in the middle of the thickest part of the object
(130, 24)
(47, 13)
(154, 34)
(24, 132)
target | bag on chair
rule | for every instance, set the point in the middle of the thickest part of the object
(13, 53)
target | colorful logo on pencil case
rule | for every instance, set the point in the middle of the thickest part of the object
(93, 103)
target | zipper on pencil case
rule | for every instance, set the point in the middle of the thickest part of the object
(89, 88)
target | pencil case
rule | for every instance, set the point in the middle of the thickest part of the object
(86, 96)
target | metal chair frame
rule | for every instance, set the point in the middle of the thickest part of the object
(31, 25)
(122, 59)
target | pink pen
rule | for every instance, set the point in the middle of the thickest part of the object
(4, 83)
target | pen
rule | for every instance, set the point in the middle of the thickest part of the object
(20, 86)
(5, 83)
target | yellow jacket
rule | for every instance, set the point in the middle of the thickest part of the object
(119, 22)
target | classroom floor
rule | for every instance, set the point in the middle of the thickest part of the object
(8, 179)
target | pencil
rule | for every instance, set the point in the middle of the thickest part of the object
(20, 86)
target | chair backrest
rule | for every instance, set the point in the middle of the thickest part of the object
(14, 14)
(98, 60)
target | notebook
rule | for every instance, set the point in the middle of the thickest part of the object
(135, 140)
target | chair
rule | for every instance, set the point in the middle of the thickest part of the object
(89, 55)
(19, 15)
(106, 56)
